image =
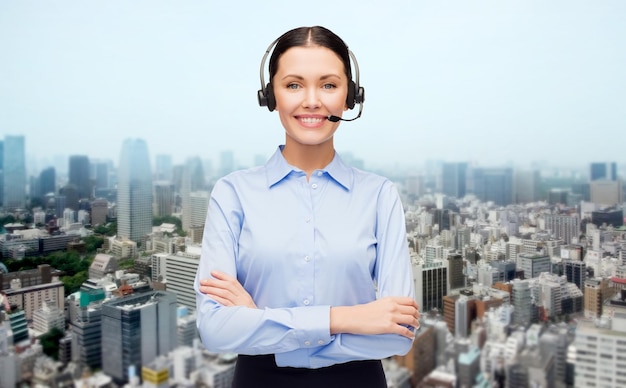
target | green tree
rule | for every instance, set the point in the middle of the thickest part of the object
(72, 283)
(8, 219)
(92, 243)
(109, 229)
(50, 342)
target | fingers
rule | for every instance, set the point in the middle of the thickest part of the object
(407, 313)
(226, 290)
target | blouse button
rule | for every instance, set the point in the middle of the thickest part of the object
(307, 343)
(320, 342)
(307, 219)
(307, 258)
(319, 173)
(306, 302)
(314, 186)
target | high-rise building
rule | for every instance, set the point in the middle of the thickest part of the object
(70, 193)
(47, 182)
(60, 203)
(9, 362)
(134, 193)
(180, 272)
(491, 184)
(563, 227)
(603, 171)
(593, 294)
(421, 359)
(163, 168)
(79, 175)
(99, 209)
(523, 302)
(575, 272)
(453, 179)
(163, 198)
(29, 289)
(527, 184)
(431, 284)
(554, 342)
(469, 367)
(86, 328)
(100, 174)
(605, 192)
(455, 271)
(614, 217)
(14, 168)
(600, 348)
(534, 264)
(193, 180)
(48, 317)
(135, 330)
(464, 310)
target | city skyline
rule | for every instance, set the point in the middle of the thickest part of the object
(485, 82)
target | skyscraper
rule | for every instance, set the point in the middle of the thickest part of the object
(453, 179)
(564, 227)
(135, 330)
(134, 193)
(527, 185)
(79, 175)
(431, 284)
(100, 174)
(491, 184)
(193, 180)
(163, 198)
(603, 171)
(14, 164)
(163, 167)
(47, 182)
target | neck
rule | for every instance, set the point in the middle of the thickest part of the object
(309, 158)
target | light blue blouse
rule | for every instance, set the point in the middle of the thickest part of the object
(299, 248)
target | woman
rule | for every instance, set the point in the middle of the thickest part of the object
(305, 271)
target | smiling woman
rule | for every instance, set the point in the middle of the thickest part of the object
(305, 270)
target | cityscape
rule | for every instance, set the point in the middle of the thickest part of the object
(520, 273)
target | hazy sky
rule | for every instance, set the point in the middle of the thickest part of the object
(484, 81)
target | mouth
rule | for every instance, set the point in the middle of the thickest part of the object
(311, 121)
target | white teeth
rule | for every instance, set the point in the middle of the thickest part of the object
(311, 120)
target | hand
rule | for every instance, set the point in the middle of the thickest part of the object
(390, 315)
(226, 290)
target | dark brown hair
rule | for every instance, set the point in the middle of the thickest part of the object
(310, 36)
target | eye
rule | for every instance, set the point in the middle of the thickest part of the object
(329, 86)
(293, 86)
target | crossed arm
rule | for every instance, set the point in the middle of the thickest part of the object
(388, 315)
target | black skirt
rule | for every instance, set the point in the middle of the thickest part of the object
(261, 371)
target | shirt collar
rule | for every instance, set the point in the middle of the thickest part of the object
(277, 169)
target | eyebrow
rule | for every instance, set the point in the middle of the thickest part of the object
(324, 77)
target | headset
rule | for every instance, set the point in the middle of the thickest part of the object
(356, 93)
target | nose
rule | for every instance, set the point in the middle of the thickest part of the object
(311, 98)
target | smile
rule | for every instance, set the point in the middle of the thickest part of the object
(312, 120)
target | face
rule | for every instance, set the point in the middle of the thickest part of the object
(309, 85)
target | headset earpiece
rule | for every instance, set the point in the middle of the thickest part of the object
(271, 100)
(351, 98)
(266, 97)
